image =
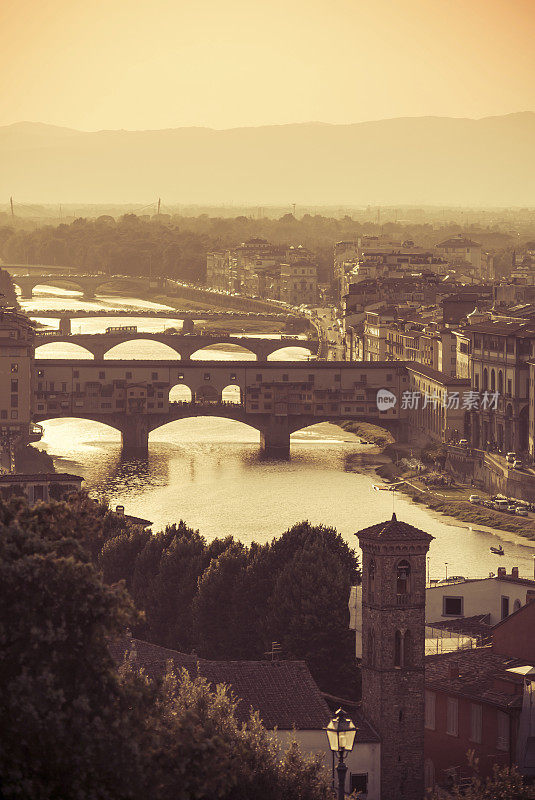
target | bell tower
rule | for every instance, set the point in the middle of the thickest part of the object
(393, 650)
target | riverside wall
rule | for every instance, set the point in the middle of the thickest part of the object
(490, 473)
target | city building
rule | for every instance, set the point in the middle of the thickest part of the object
(497, 595)
(460, 250)
(40, 487)
(299, 282)
(500, 354)
(16, 387)
(482, 700)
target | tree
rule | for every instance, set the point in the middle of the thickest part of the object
(62, 707)
(203, 751)
(309, 616)
(217, 607)
(76, 728)
(504, 784)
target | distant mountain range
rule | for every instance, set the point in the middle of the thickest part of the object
(419, 160)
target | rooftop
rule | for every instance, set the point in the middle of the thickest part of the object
(479, 673)
(458, 241)
(394, 530)
(283, 692)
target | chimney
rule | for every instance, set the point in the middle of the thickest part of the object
(514, 572)
(502, 572)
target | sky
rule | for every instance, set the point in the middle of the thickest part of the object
(146, 64)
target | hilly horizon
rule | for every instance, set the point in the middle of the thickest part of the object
(404, 160)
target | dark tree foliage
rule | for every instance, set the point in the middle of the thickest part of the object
(75, 728)
(228, 601)
(8, 295)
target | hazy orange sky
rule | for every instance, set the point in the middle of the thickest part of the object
(140, 64)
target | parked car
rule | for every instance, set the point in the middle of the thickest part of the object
(475, 499)
(520, 511)
(463, 443)
(510, 457)
(511, 508)
(501, 505)
(518, 464)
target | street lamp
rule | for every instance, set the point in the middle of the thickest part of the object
(341, 735)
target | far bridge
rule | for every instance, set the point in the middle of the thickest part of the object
(89, 284)
(184, 345)
(274, 397)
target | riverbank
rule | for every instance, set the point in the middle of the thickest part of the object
(452, 501)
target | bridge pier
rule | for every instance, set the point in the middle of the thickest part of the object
(135, 433)
(275, 438)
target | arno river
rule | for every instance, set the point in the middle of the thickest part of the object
(208, 471)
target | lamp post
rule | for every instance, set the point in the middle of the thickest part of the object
(341, 735)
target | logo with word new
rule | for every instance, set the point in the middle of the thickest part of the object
(385, 399)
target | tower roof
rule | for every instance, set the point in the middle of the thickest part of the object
(395, 531)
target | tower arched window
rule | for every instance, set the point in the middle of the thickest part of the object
(371, 581)
(485, 380)
(500, 382)
(403, 578)
(492, 381)
(398, 655)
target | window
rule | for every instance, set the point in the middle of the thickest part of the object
(430, 703)
(358, 782)
(14, 415)
(452, 606)
(154, 376)
(233, 377)
(76, 373)
(14, 368)
(206, 376)
(505, 607)
(476, 717)
(3, 414)
(285, 377)
(128, 376)
(40, 373)
(101, 376)
(509, 387)
(63, 387)
(14, 386)
(14, 400)
(476, 382)
(502, 742)
(452, 717)
(311, 378)
(403, 578)
(429, 774)
(258, 379)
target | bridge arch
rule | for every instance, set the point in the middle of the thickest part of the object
(68, 350)
(232, 394)
(58, 283)
(225, 424)
(288, 353)
(223, 351)
(180, 393)
(141, 350)
(99, 423)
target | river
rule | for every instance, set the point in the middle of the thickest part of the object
(208, 471)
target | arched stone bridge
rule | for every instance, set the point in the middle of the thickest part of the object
(185, 345)
(274, 397)
(88, 284)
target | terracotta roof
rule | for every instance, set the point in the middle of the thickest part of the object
(481, 672)
(284, 692)
(394, 530)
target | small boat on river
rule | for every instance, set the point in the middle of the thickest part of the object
(497, 550)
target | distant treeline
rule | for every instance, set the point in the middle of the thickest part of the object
(176, 247)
